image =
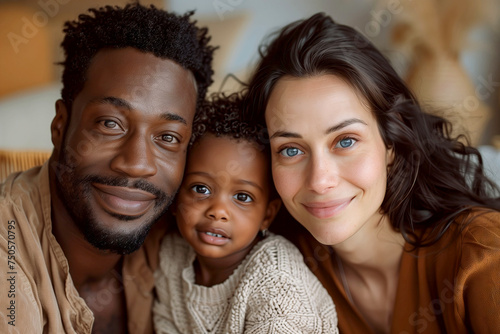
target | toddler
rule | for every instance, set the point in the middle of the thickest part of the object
(224, 272)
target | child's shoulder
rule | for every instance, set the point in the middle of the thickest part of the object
(276, 253)
(174, 251)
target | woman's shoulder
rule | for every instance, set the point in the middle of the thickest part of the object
(481, 227)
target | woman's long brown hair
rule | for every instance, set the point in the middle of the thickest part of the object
(434, 178)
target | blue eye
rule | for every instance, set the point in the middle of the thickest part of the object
(201, 189)
(291, 152)
(346, 143)
(242, 197)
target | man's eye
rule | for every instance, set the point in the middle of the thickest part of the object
(110, 124)
(169, 139)
(290, 152)
(242, 197)
(201, 189)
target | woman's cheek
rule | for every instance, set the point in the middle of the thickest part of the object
(287, 181)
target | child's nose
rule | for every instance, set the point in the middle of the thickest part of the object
(218, 211)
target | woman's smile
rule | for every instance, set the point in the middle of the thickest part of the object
(327, 209)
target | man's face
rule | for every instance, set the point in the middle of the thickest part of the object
(121, 151)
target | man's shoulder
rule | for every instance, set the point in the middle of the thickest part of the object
(24, 208)
(20, 185)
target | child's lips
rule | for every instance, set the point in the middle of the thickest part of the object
(213, 236)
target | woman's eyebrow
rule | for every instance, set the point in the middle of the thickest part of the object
(344, 124)
(285, 134)
(337, 127)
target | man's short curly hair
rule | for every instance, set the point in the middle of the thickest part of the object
(221, 115)
(148, 29)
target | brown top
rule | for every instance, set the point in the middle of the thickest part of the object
(37, 294)
(450, 287)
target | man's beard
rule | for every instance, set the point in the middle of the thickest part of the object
(75, 193)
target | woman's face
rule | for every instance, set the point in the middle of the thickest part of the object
(329, 162)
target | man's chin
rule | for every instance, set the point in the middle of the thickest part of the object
(118, 242)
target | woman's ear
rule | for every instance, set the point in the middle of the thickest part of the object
(59, 125)
(389, 157)
(272, 209)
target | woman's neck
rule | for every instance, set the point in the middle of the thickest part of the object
(368, 267)
(377, 246)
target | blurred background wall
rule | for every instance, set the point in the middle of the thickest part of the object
(446, 50)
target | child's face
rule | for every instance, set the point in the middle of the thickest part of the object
(223, 201)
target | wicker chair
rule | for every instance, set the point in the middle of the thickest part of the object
(14, 161)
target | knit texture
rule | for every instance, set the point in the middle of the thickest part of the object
(271, 291)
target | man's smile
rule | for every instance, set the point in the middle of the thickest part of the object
(122, 200)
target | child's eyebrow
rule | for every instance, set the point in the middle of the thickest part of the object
(251, 183)
(241, 181)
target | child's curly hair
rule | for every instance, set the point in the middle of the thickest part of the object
(221, 115)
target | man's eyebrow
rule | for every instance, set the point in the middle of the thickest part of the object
(168, 116)
(337, 127)
(115, 101)
(121, 103)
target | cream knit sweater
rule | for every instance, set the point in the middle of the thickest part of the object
(271, 291)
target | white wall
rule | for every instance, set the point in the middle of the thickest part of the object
(267, 16)
(25, 119)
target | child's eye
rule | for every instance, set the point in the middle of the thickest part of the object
(346, 142)
(169, 139)
(290, 152)
(201, 189)
(242, 197)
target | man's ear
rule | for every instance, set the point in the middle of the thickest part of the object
(59, 124)
(271, 211)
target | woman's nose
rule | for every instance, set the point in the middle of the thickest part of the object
(323, 174)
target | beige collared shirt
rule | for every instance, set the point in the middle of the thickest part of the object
(37, 294)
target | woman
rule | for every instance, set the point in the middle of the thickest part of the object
(404, 231)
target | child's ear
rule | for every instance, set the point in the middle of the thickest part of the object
(173, 208)
(271, 211)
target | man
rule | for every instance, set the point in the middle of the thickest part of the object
(74, 234)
